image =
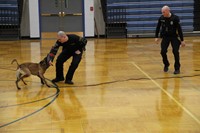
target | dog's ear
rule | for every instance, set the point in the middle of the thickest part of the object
(44, 63)
(45, 59)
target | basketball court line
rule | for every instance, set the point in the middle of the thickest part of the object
(168, 94)
(36, 111)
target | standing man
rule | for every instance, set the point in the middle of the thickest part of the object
(72, 46)
(169, 24)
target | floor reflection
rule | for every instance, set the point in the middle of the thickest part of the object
(70, 111)
(168, 111)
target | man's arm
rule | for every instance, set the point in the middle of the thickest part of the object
(53, 52)
(157, 30)
(180, 32)
(82, 43)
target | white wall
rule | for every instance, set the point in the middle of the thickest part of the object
(34, 19)
(89, 18)
(98, 15)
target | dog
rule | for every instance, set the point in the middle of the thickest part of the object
(27, 69)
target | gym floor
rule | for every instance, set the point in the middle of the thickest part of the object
(120, 87)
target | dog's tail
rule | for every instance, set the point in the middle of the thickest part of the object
(15, 60)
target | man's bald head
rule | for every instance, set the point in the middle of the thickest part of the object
(165, 11)
(62, 37)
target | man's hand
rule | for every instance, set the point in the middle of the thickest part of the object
(77, 52)
(182, 44)
(50, 63)
(156, 40)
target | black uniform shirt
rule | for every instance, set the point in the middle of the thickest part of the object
(170, 26)
(73, 44)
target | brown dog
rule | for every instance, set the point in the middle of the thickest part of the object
(26, 69)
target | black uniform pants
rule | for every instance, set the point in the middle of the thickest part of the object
(64, 56)
(175, 43)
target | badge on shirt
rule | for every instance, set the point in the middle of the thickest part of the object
(171, 22)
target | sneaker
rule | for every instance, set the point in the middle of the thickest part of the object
(57, 80)
(69, 82)
(177, 72)
(166, 68)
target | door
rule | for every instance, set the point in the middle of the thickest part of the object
(65, 15)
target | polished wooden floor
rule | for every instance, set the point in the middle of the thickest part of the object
(120, 87)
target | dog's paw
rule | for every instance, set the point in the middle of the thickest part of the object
(42, 82)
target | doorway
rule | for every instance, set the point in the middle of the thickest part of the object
(65, 15)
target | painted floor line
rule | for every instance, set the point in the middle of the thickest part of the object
(168, 94)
